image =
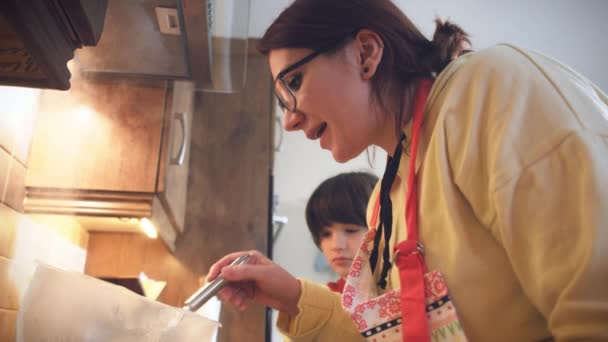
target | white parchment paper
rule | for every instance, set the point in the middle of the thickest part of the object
(69, 306)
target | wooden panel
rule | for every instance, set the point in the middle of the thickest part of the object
(8, 226)
(163, 224)
(98, 137)
(9, 296)
(126, 255)
(8, 320)
(92, 203)
(228, 185)
(16, 61)
(15, 186)
(35, 45)
(173, 182)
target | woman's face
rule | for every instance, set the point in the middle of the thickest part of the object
(333, 100)
(339, 244)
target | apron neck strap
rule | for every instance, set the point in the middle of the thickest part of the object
(384, 211)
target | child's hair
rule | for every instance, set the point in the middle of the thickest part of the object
(340, 199)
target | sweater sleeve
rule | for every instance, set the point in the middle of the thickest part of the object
(552, 220)
(321, 317)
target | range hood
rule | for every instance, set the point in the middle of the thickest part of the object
(200, 40)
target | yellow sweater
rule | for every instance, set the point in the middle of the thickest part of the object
(513, 179)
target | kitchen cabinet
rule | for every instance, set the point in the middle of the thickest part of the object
(113, 149)
(38, 38)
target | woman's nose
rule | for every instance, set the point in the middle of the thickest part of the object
(292, 121)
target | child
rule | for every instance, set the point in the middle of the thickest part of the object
(335, 214)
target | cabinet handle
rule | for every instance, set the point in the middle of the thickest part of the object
(179, 160)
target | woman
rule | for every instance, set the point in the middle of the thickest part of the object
(497, 164)
(335, 215)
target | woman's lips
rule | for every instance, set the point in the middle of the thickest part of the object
(316, 133)
(320, 130)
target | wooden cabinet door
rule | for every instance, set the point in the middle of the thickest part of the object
(173, 186)
(98, 136)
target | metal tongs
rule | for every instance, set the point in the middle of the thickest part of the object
(200, 297)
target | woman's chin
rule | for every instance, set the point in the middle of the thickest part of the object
(341, 157)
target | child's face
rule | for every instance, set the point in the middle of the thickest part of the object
(340, 243)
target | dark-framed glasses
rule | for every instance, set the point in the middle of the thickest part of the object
(283, 91)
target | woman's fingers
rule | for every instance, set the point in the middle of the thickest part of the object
(245, 272)
(234, 295)
(259, 280)
(216, 269)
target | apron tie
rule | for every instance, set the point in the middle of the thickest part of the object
(386, 215)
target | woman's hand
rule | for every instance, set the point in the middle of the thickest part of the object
(259, 280)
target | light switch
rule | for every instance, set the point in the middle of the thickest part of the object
(168, 20)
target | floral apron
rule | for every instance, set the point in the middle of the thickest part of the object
(422, 310)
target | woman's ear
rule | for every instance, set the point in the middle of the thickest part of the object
(370, 48)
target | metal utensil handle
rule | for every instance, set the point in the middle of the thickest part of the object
(200, 297)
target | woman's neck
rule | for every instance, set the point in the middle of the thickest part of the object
(388, 141)
(388, 136)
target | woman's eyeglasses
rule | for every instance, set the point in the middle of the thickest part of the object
(284, 93)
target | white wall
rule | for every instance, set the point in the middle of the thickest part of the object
(571, 31)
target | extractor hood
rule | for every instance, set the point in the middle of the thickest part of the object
(200, 40)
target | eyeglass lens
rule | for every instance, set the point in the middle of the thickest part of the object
(284, 95)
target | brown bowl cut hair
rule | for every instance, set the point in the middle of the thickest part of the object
(339, 199)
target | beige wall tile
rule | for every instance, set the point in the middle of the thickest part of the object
(8, 225)
(66, 226)
(23, 140)
(38, 242)
(15, 187)
(9, 295)
(5, 163)
(7, 128)
(17, 118)
(8, 320)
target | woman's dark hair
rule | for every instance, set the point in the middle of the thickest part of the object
(407, 54)
(340, 199)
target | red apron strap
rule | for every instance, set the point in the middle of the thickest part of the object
(408, 255)
(409, 258)
(374, 218)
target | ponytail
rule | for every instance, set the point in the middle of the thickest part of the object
(449, 42)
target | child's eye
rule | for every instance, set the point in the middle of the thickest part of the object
(353, 230)
(295, 81)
